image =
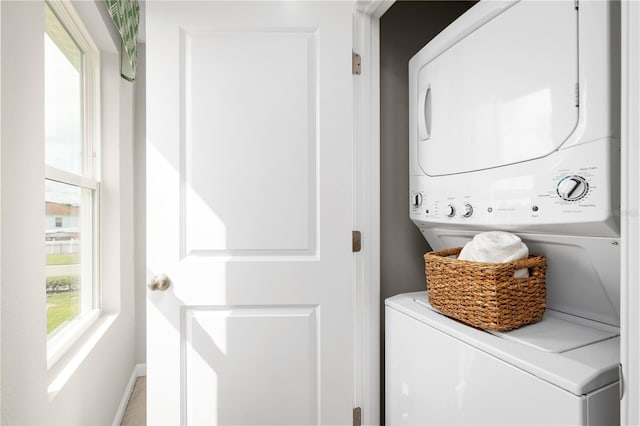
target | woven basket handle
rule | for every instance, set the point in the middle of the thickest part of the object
(455, 251)
(528, 263)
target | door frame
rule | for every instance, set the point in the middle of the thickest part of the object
(366, 42)
(366, 184)
(630, 206)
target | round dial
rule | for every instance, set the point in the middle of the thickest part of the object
(451, 211)
(572, 188)
(468, 210)
(416, 199)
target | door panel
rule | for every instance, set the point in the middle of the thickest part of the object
(253, 365)
(249, 212)
(261, 89)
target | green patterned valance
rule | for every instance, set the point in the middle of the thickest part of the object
(126, 17)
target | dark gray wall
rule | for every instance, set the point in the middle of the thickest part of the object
(404, 29)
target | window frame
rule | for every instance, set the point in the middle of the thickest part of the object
(63, 338)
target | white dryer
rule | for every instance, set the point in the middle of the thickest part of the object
(514, 117)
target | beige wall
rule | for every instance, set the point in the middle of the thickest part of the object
(139, 161)
(404, 29)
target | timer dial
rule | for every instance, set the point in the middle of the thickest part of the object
(572, 188)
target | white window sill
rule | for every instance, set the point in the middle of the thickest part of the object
(72, 354)
(61, 340)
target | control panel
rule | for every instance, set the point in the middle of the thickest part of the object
(570, 194)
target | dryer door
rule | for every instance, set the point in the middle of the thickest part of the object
(504, 94)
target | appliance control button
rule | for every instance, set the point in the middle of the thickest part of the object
(572, 188)
(416, 199)
(468, 210)
(451, 210)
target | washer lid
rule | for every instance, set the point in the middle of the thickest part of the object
(504, 94)
(579, 370)
(558, 332)
(555, 332)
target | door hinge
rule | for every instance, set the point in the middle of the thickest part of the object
(356, 63)
(620, 381)
(356, 241)
(357, 416)
(577, 94)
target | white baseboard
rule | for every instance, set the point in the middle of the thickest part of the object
(139, 370)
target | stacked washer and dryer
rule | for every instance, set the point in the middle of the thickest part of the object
(514, 115)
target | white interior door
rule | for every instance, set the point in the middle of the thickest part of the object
(249, 212)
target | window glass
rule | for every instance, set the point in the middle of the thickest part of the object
(63, 202)
(63, 97)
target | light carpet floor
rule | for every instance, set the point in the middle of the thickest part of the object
(136, 412)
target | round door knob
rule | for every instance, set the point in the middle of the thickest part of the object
(572, 188)
(468, 210)
(159, 282)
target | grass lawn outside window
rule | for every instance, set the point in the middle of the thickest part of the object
(62, 292)
(61, 307)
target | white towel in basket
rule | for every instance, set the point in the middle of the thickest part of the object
(496, 247)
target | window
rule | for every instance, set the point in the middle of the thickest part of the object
(71, 176)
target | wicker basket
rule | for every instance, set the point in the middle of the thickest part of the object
(486, 295)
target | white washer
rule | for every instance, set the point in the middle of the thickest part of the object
(560, 371)
(514, 118)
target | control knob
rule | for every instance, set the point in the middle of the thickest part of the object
(416, 199)
(451, 210)
(468, 210)
(572, 188)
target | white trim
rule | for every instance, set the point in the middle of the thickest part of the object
(141, 370)
(630, 207)
(366, 42)
(62, 339)
(72, 22)
(138, 371)
(63, 176)
(373, 8)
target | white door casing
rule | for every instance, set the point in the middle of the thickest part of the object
(249, 212)
(630, 224)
